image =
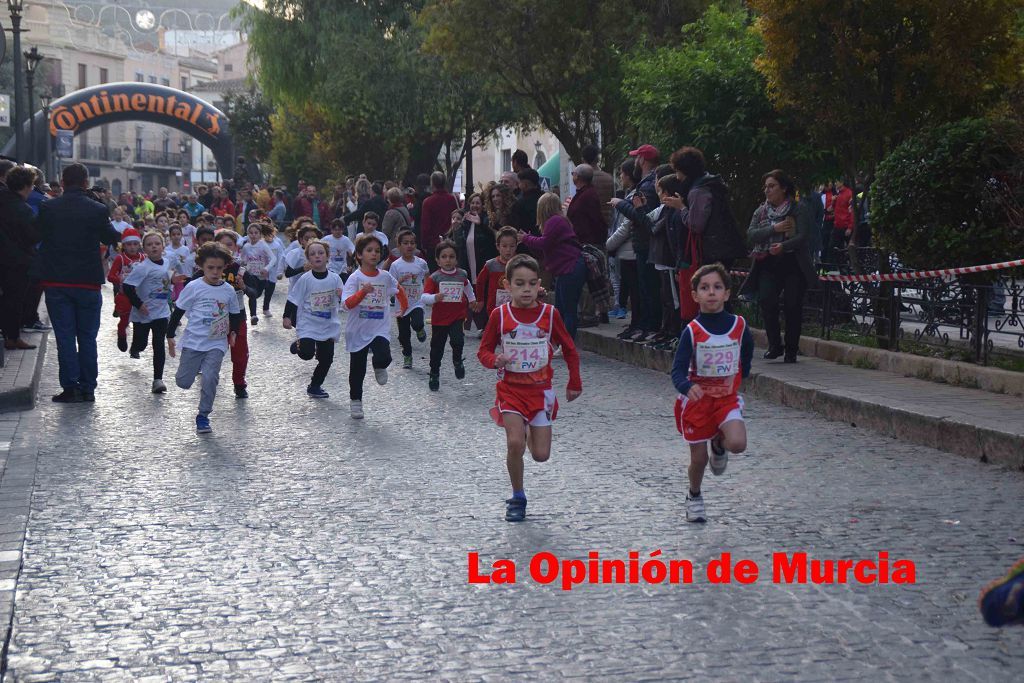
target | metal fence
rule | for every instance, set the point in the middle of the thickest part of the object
(974, 318)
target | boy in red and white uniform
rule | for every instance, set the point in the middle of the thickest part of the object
(712, 358)
(448, 290)
(121, 267)
(491, 288)
(527, 333)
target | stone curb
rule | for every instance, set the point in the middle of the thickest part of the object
(22, 396)
(934, 431)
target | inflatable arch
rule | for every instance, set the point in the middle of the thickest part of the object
(111, 102)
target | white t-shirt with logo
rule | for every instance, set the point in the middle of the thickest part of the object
(258, 259)
(370, 318)
(340, 249)
(152, 283)
(410, 276)
(178, 257)
(318, 301)
(207, 307)
(296, 258)
(278, 248)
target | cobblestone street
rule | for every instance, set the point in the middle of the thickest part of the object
(295, 543)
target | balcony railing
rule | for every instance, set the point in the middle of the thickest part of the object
(152, 157)
(99, 153)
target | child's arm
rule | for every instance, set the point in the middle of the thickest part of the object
(133, 296)
(352, 296)
(560, 336)
(430, 292)
(114, 276)
(746, 351)
(467, 289)
(172, 324)
(489, 340)
(681, 364)
(403, 300)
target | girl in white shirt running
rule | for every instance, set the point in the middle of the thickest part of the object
(315, 306)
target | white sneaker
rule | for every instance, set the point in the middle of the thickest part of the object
(159, 387)
(382, 375)
(357, 410)
(695, 509)
(719, 457)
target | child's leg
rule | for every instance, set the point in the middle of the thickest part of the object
(734, 436)
(357, 373)
(457, 339)
(416, 319)
(159, 328)
(438, 336)
(122, 324)
(324, 359)
(405, 334)
(307, 348)
(381, 349)
(698, 461)
(515, 438)
(140, 337)
(240, 356)
(189, 363)
(210, 366)
(539, 441)
(268, 293)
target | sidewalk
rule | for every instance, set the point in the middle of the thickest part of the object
(968, 422)
(19, 377)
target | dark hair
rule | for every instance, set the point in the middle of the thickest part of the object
(506, 231)
(19, 177)
(5, 167)
(372, 215)
(377, 187)
(74, 175)
(521, 261)
(267, 229)
(337, 222)
(362, 241)
(704, 271)
(422, 180)
(529, 175)
(278, 194)
(205, 230)
(664, 170)
(784, 181)
(307, 227)
(172, 227)
(405, 233)
(445, 244)
(631, 169)
(438, 180)
(213, 250)
(689, 161)
(519, 157)
(671, 185)
(590, 154)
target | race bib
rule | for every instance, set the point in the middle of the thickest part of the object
(502, 297)
(322, 304)
(525, 355)
(718, 360)
(452, 291)
(373, 305)
(220, 326)
(413, 291)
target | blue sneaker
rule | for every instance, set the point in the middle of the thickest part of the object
(203, 424)
(515, 509)
(1002, 601)
(316, 392)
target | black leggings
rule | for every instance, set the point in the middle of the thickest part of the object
(256, 285)
(439, 334)
(140, 338)
(406, 324)
(324, 353)
(381, 349)
(268, 293)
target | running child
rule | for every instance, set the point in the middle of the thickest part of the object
(204, 234)
(491, 283)
(411, 273)
(214, 315)
(148, 289)
(448, 289)
(314, 303)
(367, 294)
(371, 221)
(257, 260)
(341, 249)
(527, 332)
(295, 259)
(177, 255)
(269, 232)
(711, 361)
(228, 238)
(130, 256)
(188, 231)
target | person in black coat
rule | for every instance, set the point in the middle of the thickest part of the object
(17, 240)
(71, 229)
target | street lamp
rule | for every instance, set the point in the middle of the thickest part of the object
(32, 60)
(45, 100)
(15, 7)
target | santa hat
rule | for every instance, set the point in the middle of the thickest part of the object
(130, 235)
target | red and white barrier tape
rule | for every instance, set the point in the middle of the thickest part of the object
(914, 275)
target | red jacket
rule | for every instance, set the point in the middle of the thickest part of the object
(436, 218)
(304, 207)
(223, 207)
(844, 209)
(584, 213)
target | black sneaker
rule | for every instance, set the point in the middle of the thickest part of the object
(88, 397)
(316, 392)
(790, 358)
(68, 396)
(460, 370)
(434, 382)
(241, 392)
(122, 344)
(133, 354)
(294, 348)
(515, 509)
(626, 333)
(421, 335)
(773, 353)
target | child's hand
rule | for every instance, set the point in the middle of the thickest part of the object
(695, 393)
(144, 309)
(477, 306)
(572, 394)
(367, 288)
(500, 361)
(675, 201)
(542, 293)
(231, 338)
(439, 298)
(286, 323)
(170, 347)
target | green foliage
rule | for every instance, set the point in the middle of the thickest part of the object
(706, 92)
(250, 114)
(953, 195)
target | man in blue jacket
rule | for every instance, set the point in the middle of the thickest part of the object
(70, 269)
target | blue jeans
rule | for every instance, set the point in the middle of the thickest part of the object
(568, 288)
(75, 316)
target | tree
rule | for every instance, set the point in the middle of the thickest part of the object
(562, 58)
(863, 75)
(360, 67)
(706, 92)
(250, 114)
